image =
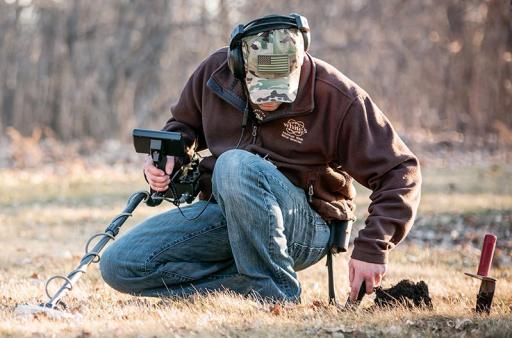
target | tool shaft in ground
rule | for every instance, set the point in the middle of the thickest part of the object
(352, 305)
(486, 256)
(485, 296)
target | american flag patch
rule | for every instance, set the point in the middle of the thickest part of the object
(278, 63)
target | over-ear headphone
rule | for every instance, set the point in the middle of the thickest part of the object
(269, 22)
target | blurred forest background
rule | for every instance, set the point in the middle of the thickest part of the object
(81, 69)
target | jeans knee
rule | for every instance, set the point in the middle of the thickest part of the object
(230, 170)
(232, 160)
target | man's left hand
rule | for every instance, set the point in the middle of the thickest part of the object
(359, 271)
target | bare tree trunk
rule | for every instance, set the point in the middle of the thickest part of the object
(10, 83)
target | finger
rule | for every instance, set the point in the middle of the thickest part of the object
(378, 279)
(150, 167)
(153, 171)
(158, 179)
(160, 189)
(169, 165)
(369, 285)
(350, 272)
(148, 163)
(355, 286)
(158, 186)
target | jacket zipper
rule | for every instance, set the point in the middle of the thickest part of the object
(254, 133)
(311, 185)
(311, 191)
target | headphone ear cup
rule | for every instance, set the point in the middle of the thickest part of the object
(235, 56)
(307, 39)
(302, 24)
(236, 62)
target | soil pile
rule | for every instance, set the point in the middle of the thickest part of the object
(405, 293)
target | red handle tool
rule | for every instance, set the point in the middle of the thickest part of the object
(487, 253)
(486, 292)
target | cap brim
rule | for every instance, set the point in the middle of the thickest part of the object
(283, 89)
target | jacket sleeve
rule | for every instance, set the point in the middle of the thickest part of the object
(374, 155)
(186, 113)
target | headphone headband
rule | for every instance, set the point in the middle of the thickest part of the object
(270, 22)
(276, 22)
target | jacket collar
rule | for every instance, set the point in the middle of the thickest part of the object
(223, 83)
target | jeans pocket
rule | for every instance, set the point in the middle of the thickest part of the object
(319, 222)
(304, 256)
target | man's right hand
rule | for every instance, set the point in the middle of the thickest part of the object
(157, 179)
(359, 272)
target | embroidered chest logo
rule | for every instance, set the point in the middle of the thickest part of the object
(294, 130)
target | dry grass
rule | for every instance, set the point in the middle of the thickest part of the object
(46, 215)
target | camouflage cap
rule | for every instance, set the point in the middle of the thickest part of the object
(272, 62)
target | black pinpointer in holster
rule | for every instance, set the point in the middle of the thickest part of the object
(338, 242)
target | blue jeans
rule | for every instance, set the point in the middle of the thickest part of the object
(260, 231)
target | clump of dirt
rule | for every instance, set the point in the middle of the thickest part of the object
(405, 293)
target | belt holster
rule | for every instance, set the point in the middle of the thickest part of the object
(338, 242)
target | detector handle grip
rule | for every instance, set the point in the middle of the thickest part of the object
(156, 197)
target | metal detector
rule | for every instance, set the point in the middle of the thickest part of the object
(184, 188)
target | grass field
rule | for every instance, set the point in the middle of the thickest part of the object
(46, 216)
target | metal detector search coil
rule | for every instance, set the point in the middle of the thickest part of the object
(90, 256)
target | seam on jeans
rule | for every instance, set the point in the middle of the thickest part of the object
(180, 278)
(259, 160)
(279, 275)
(215, 277)
(185, 238)
(307, 212)
(279, 182)
(308, 250)
(309, 247)
(317, 220)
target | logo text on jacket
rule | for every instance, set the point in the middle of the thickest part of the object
(294, 130)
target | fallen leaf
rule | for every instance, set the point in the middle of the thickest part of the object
(76, 309)
(276, 309)
(317, 304)
(84, 334)
(34, 275)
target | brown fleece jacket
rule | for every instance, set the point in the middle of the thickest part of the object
(331, 133)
